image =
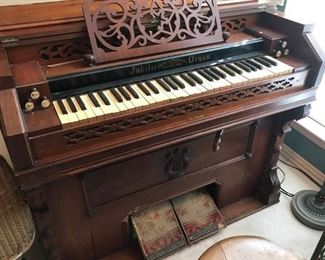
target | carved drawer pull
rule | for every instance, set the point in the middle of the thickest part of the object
(177, 163)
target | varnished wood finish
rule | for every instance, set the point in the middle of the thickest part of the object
(6, 80)
(83, 180)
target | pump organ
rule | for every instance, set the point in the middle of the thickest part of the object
(91, 130)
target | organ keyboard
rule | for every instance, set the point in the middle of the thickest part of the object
(110, 107)
(142, 95)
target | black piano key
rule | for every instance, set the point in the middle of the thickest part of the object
(263, 62)
(242, 66)
(274, 63)
(195, 78)
(144, 89)
(62, 107)
(178, 82)
(233, 68)
(104, 98)
(93, 99)
(170, 83)
(81, 103)
(204, 75)
(188, 79)
(211, 74)
(218, 72)
(116, 95)
(124, 93)
(71, 105)
(254, 64)
(248, 65)
(228, 71)
(132, 92)
(163, 84)
(152, 87)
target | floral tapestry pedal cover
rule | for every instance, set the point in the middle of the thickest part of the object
(158, 231)
(198, 215)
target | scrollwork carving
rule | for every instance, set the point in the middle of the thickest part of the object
(129, 28)
(233, 25)
(145, 119)
(63, 51)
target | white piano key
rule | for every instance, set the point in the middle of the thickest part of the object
(111, 101)
(64, 118)
(170, 94)
(191, 90)
(118, 104)
(72, 116)
(250, 76)
(89, 112)
(160, 97)
(264, 73)
(206, 83)
(107, 109)
(128, 104)
(149, 99)
(233, 80)
(281, 68)
(80, 113)
(90, 106)
(137, 102)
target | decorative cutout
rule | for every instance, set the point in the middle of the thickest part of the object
(145, 119)
(128, 28)
(177, 163)
(233, 25)
(64, 51)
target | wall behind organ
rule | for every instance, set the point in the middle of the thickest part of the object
(21, 2)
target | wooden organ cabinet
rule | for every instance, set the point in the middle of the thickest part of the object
(110, 107)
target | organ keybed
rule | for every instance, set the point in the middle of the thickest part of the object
(109, 108)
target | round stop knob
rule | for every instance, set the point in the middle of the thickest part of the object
(45, 103)
(35, 94)
(29, 106)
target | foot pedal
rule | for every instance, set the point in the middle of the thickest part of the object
(198, 215)
(158, 231)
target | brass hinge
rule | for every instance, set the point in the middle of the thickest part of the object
(9, 42)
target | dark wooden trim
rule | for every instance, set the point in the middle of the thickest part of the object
(13, 129)
(6, 80)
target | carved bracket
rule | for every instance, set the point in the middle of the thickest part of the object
(217, 140)
(177, 162)
(128, 28)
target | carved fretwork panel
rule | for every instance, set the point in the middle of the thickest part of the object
(233, 25)
(127, 28)
(60, 52)
(146, 119)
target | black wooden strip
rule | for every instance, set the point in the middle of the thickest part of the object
(104, 98)
(81, 103)
(144, 89)
(116, 95)
(71, 105)
(62, 107)
(93, 99)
